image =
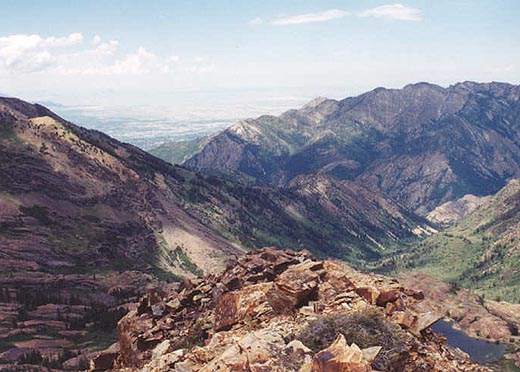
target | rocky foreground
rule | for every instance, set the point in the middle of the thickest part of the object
(277, 310)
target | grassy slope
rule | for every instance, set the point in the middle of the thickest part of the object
(178, 152)
(480, 252)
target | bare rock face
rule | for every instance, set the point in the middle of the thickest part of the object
(456, 210)
(478, 317)
(250, 317)
(105, 359)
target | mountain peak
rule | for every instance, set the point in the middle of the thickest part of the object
(22, 109)
(376, 135)
(315, 102)
(423, 85)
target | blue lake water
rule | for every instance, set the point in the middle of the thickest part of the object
(480, 351)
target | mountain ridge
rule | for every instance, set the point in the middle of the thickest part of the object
(423, 145)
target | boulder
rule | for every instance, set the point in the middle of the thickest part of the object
(388, 295)
(75, 364)
(404, 318)
(339, 357)
(296, 286)
(105, 359)
(425, 320)
(369, 293)
(251, 302)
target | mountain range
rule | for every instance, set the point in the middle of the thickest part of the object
(58, 176)
(422, 145)
(440, 152)
(88, 222)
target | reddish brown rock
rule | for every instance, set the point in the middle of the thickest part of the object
(226, 310)
(404, 319)
(478, 317)
(339, 357)
(252, 322)
(369, 293)
(251, 302)
(388, 295)
(105, 359)
(296, 286)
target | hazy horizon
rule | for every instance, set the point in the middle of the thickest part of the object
(152, 53)
(172, 62)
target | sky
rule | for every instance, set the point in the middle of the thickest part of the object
(246, 56)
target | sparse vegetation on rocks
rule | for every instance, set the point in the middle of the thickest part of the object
(364, 328)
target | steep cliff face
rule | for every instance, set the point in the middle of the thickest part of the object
(283, 311)
(451, 212)
(423, 145)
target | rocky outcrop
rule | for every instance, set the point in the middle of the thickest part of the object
(456, 210)
(249, 318)
(104, 360)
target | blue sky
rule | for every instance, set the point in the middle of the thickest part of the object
(166, 52)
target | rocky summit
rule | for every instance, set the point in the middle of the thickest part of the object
(273, 310)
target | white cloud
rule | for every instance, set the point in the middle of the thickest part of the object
(393, 11)
(323, 16)
(33, 53)
(390, 11)
(96, 40)
(29, 53)
(107, 48)
(138, 63)
(54, 42)
(256, 21)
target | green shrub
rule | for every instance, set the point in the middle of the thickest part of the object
(38, 212)
(365, 329)
(30, 357)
